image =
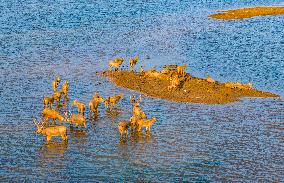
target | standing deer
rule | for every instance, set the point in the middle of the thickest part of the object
(137, 111)
(181, 70)
(81, 106)
(65, 89)
(77, 119)
(142, 71)
(116, 63)
(55, 83)
(48, 101)
(133, 62)
(174, 83)
(52, 131)
(57, 97)
(94, 103)
(133, 123)
(53, 114)
(110, 102)
(123, 128)
(209, 79)
(147, 123)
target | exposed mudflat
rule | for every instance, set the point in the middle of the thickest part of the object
(193, 90)
(248, 12)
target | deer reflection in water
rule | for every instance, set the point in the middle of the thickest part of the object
(51, 156)
(135, 137)
(53, 148)
(79, 138)
(114, 112)
(78, 133)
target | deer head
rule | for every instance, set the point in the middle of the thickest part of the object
(74, 102)
(135, 101)
(39, 127)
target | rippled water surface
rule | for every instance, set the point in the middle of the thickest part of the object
(240, 142)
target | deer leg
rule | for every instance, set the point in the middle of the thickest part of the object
(48, 139)
(64, 137)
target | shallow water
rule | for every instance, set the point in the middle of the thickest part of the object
(240, 142)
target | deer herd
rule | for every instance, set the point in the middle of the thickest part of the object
(51, 110)
(137, 122)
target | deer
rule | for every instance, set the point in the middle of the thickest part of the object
(133, 62)
(248, 85)
(147, 123)
(133, 123)
(52, 131)
(80, 105)
(123, 128)
(137, 111)
(116, 63)
(77, 119)
(48, 101)
(65, 89)
(55, 83)
(142, 71)
(57, 97)
(239, 85)
(94, 103)
(180, 70)
(174, 83)
(110, 102)
(53, 114)
(210, 79)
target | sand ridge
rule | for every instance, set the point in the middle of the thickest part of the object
(193, 90)
(247, 13)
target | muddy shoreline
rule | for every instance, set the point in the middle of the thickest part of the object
(247, 13)
(193, 90)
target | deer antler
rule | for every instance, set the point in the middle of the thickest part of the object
(37, 124)
(132, 99)
(34, 120)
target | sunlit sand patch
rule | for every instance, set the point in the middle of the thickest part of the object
(193, 90)
(248, 13)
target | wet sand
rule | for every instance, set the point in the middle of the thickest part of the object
(193, 90)
(248, 12)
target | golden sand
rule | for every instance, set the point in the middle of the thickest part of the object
(248, 13)
(194, 90)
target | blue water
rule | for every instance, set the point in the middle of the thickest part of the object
(240, 142)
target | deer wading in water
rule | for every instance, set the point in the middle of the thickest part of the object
(65, 89)
(55, 83)
(147, 123)
(52, 131)
(110, 102)
(77, 119)
(94, 103)
(57, 97)
(137, 113)
(123, 128)
(53, 114)
(81, 106)
(48, 101)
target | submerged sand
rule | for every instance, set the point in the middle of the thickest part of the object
(193, 90)
(248, 13)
